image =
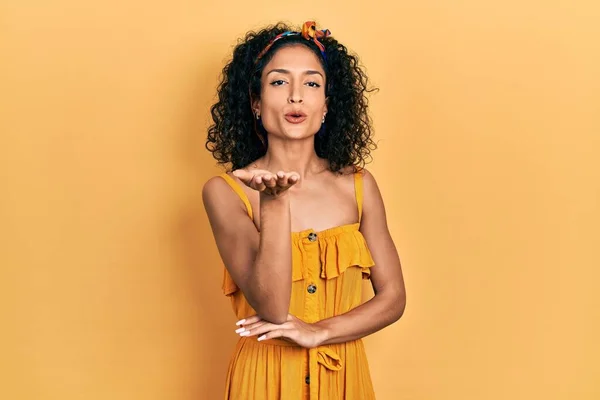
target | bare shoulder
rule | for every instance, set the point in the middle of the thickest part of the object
(217, 194)
(346, 177)
(371, 193)
(214, 187)
(368, 179)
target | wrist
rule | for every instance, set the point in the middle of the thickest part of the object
(281, 198)
(323, 332)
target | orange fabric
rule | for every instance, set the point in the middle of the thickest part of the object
(335, 261)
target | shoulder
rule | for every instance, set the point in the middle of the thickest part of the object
(371, 193)
(369, 182)
(214, 186)
(217, 192)
(367, 177)
(351, 172)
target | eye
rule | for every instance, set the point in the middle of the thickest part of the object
(278, 82)
(313, 84)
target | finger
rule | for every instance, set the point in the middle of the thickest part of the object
(270, 181)
(257, 183)
(264, 328)
(250, 320)
(242, 175)
(292, 178)
(251, 327)
(281, 178)
(275, 334)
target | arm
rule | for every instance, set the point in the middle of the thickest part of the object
(387, 306)
(259, 263)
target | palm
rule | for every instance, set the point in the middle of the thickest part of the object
(267, 182)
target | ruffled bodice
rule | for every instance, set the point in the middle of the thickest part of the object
(336, 249)
(340, 248)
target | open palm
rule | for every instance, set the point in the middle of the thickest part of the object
(267, 182)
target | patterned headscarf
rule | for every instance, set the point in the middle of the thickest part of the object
(309, 32)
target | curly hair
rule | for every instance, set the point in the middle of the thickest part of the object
(345, 139)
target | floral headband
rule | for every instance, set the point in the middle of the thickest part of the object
(309, 32)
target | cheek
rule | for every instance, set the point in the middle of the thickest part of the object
(273, 98)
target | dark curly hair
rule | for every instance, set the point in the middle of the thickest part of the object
(344, 140)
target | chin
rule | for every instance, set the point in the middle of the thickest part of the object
(298, 135)
(294, 132)
(300, 132)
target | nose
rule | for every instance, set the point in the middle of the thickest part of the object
(295, 95)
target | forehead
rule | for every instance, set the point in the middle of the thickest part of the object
(295, 57)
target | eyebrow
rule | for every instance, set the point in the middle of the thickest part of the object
(285, 71)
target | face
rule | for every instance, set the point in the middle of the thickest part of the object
(292, 103)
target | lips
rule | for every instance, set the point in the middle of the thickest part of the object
(295, 117)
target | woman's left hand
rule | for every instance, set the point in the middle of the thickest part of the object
(294, 330)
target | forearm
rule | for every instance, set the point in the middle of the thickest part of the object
(271, 272)
(372, 316)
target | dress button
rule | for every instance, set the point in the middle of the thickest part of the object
(307, 380)
(312, 236)
(311, 288)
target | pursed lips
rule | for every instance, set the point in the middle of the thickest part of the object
(295, 117)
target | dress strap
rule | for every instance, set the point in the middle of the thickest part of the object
(240, 192)
(358, 189)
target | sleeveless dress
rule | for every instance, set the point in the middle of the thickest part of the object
(327, 272)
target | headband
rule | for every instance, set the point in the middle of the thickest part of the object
(309, 32)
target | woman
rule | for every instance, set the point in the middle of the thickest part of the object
(292, 121)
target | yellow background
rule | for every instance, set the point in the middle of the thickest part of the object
(488, 124)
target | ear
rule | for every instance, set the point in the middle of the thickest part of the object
(325, 109)
(255, 105)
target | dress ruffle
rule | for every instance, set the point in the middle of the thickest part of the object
(340, 248)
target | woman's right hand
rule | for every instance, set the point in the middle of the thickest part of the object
(267, 182)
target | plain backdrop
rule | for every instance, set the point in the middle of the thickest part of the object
(487, 121)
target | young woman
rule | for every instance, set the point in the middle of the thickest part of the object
(299, 222)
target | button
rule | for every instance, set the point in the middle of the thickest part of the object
(311, 288)
(307, 380)
(312, 236)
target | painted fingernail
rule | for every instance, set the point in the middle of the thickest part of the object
(245, 333)
(262, 337)
(241, 321)
(240, 330)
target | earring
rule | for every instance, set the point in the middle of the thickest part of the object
(323, 120)
(257, 116)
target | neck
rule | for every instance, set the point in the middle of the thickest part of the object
(297, 155)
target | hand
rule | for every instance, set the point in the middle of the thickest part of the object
(264, 181)
(293, 330)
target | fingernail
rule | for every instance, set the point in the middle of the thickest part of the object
(245, 333)
(241, 321)
(262, 337)
(240, 330)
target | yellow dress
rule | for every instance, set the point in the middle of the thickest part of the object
(327, 272)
